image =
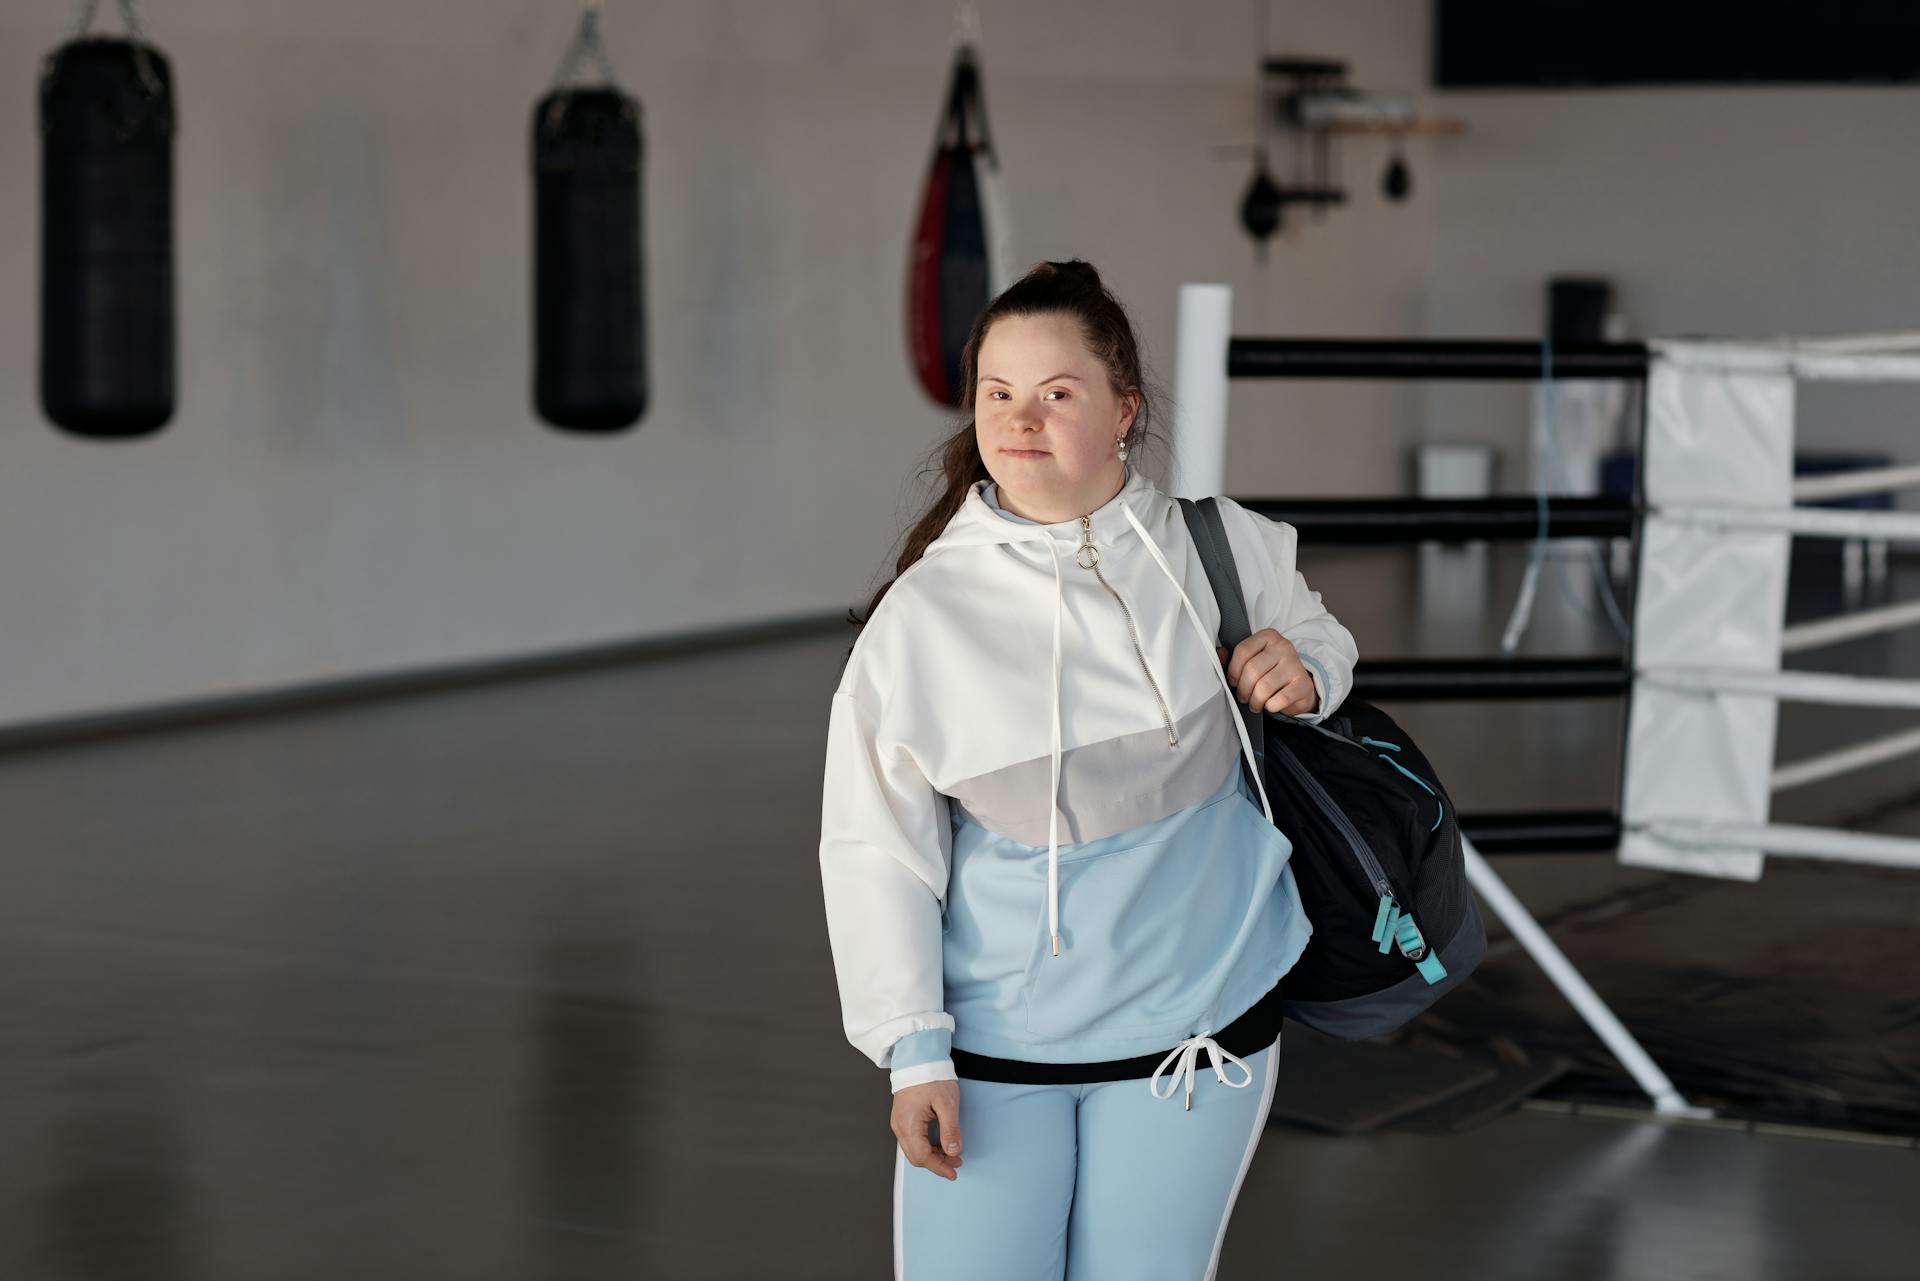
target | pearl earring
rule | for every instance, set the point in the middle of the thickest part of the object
(1123, 450)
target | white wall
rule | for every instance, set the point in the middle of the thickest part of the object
(1743, 212)
(354, 482)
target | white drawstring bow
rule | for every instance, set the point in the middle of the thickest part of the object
(1187, 1052)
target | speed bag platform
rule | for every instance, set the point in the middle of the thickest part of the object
(589, 362)
(107, 123)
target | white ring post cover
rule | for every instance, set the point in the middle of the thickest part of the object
(1205, 319)
(1716, 598)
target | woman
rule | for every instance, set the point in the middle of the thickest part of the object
(1049, 883)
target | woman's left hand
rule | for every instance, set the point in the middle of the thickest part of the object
(1266, 673)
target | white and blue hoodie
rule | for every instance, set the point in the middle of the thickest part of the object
(1036, 841)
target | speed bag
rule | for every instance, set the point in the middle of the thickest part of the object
(106, 219)
(589, 349)
(953, 266)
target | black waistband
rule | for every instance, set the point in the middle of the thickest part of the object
(1248, 1034)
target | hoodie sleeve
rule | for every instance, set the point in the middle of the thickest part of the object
(1278, 597)
(885, 850)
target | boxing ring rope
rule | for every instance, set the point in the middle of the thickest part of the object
(1399, 520)
(1791, 840)
(1848, 484)
(1832, 688)
(1697, 507)
(1811, 522)
(1833, 764)
(1808, 360)
(1845, 627)
(1893, 342)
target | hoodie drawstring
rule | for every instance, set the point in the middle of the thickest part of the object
(1053, 805)
(1187, 1052)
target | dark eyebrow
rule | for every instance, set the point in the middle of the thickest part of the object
(995, 378)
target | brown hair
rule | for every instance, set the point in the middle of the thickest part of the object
(1071, 288)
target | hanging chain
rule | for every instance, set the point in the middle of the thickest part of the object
(587, 43)
(966, 22)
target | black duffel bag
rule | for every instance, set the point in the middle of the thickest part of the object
(1376, 845)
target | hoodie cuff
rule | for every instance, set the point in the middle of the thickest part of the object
(1321, 683)
(921, 1073)
(922, 1056)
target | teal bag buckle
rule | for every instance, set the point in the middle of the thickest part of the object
(1393, 927)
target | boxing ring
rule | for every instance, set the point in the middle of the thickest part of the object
(1710, 525)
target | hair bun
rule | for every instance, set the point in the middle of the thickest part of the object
(1077, 269)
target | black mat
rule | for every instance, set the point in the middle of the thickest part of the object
(1793, 999)
(1350, 1087)
(1471, 1109)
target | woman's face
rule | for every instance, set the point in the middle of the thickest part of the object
(1041, 388)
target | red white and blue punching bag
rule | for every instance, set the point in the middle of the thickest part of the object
(106, 234)
(959, 259)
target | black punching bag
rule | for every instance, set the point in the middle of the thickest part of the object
(106, 226)
(590, 368)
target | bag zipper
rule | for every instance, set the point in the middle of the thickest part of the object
(1375, 873)
(1091, 555)
(1390, 914)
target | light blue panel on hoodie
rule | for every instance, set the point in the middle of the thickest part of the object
(1168, 929)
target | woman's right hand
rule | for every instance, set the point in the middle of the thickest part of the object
(913, 1108)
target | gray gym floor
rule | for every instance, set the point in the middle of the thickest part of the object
(531, 980)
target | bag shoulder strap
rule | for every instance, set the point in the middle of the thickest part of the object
(1216, 557)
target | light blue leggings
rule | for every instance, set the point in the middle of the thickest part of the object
(1097, 1182)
